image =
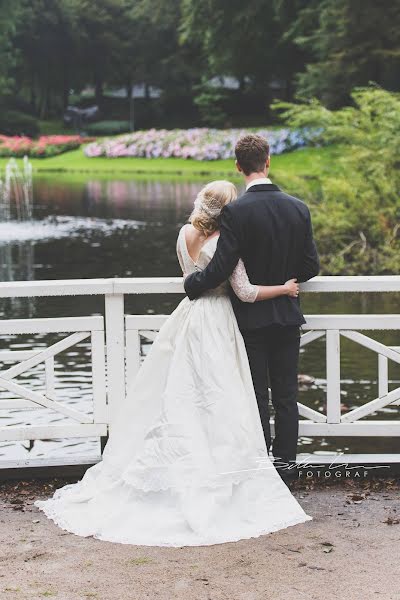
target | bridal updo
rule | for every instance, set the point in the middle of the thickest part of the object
(209, 203)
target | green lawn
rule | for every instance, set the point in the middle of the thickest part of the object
(307, 162)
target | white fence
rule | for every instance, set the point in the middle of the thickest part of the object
(115, 354)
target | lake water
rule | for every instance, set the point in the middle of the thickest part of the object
(128, 228)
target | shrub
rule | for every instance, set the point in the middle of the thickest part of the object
(198, 144)
(13, 122)
(357, 217)
(108, 127)
(45, 146)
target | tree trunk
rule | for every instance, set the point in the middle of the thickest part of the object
(44, 102)
(129, 90)
(65, 93)
(33, 97)
(99, 90)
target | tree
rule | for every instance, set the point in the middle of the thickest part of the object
(351, 42)
(357, 217)
(45, 42)
(247, 41)
(8, 18)
(236, 39)
(100, 41)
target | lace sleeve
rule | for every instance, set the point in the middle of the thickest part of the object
(244, 290)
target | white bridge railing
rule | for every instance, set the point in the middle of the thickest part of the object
(115, 342)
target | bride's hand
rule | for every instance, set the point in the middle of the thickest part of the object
(292, 288)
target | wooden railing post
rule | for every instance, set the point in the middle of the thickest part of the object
(115, 348)
(333, 376)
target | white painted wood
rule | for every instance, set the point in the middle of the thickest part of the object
(54, 325)
(115, 344)
(50, 378)
(346, 459)
(147, 326)
(383, 376)
(310, 413)
(309, 337)
(56, 287)
(397, 349)
(143, 322)
(16, 355)
(371, 407)
(132, 355)
(61, 461)
(100, 408)
(357, 429)
(43, 400)
(333, 376)
(149, 285)
(371, 344)
(362, 283)
(352, 322)
(18, 404)
(149, 335)
(174, 285)
(49, 352)
(43, 432)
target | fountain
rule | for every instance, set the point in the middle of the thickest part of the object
(16, 206)
(16, 198)
(18, 225)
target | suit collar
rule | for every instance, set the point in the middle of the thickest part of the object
(264, 187)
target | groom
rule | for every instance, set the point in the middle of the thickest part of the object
(272, 232)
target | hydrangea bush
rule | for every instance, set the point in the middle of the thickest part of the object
(48, 145)
(198, 143)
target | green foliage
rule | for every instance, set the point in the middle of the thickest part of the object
(50, 50)
(209, 102)
(108, 127)
(13, 122)
(8, 19)
(350, 44)
(357, 210)
(245, 40)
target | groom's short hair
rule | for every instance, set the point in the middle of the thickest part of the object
(252, 152)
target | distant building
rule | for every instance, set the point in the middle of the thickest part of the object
(138, 91)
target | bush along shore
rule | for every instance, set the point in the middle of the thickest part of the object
(43, 147)
(198, 144)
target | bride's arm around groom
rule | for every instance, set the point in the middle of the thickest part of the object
(233, 245)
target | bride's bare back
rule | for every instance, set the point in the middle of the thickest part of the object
(195, 240)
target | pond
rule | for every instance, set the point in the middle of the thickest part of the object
(128, 228)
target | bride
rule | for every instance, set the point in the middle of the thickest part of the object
(186, 463)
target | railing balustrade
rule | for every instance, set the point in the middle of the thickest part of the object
(116, 346)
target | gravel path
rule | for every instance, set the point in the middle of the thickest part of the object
(349, 551)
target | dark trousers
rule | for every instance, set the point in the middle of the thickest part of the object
(274, 356)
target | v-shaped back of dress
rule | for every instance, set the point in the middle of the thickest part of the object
(188, 265)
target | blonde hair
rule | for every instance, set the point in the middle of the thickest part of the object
(209, 203)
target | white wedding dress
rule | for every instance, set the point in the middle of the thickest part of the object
(186, 463)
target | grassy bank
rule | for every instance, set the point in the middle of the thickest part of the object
(308, 162)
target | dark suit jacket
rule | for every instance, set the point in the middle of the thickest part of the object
(272, 232)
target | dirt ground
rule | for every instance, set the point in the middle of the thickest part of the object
(350, 551)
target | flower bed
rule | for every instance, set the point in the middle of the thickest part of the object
(198, 144)
(45, 146)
